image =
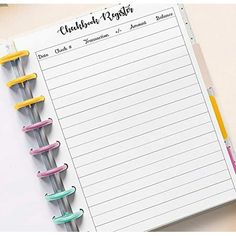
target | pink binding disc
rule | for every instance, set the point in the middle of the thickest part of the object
(37, 125)
(52, 171)
(231, 158)
(45, 148)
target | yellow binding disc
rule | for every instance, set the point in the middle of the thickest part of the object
(21, 80)
(29, 102)
(13, 56)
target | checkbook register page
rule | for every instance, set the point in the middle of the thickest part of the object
(133, 116)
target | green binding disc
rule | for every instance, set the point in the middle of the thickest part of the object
(67, 217)
(60, 195)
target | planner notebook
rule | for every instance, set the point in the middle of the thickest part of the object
(129, 136)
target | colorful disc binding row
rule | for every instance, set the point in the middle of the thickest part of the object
(60, 195)
(52, 171)
(45, 148)
(67, 217)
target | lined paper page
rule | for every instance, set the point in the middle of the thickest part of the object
(136, 122)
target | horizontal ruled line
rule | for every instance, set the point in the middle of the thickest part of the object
(72, 71)
(121, 77)
(144, 155)
(132, 105)
(136, 114)
(117, 186)
(213, 195)
(130, 127)
(151, 185)
(124, 140)
(140, 113)
(116, 78)
(112, 57)
(129, 181)
(85, 186)
(141, 146)
(118, 99)
(181, 185)
(168, 201)
(139, 135)
(124, 86)
(109, 47)
(147, 142)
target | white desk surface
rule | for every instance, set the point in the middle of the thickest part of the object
(214, 27)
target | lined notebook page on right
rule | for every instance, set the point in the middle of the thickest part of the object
(136, 119)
